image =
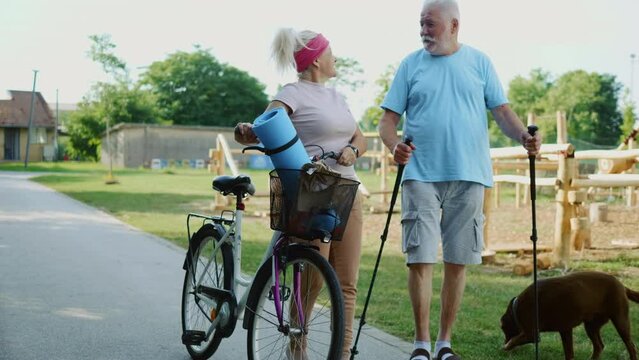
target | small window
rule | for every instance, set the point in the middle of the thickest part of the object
(38, 135)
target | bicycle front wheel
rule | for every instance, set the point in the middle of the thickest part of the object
(312, 309)
(209, 265)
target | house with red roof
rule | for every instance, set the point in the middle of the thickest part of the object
(14, 127)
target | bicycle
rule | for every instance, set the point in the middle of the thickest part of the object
(296, 314)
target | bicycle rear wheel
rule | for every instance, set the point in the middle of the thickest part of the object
(199, 306)
(322, 309)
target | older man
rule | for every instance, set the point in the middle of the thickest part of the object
(444, 90)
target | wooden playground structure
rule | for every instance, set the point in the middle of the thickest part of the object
(557, 168)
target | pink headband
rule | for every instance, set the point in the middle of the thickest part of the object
(313, 49)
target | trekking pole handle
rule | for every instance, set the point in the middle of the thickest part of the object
(532, 129)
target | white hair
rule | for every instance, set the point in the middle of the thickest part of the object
(286, 43)
(449, 7)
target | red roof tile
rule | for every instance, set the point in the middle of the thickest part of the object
(15, 111)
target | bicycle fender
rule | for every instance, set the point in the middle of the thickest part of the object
(253, 296)
(194, 243)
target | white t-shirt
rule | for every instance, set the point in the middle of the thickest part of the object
(320, 117)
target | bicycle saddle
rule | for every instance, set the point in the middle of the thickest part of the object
(239, 185)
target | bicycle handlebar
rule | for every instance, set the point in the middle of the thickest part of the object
(327, 155)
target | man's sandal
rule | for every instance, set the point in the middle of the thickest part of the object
(420, 352)
(441, 355)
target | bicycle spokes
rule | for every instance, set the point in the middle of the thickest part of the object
(294, 321)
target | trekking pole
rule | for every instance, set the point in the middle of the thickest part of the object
(532, 129)
(362, 320)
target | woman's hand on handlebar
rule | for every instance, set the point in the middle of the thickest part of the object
(244, 134)
(347, 157)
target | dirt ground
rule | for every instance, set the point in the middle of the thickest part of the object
(509, 228)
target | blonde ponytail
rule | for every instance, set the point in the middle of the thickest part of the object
(286, 43)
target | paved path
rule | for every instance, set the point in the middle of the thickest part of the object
(76, 283)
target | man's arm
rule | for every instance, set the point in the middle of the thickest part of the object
(512, 127)
(388, 132)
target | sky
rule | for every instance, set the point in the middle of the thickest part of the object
(518, 35)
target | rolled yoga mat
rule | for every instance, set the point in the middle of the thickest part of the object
(279, 138)
(276, 132)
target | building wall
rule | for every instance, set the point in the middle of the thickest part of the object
(134, 146)
(36, 151)
(1, 144)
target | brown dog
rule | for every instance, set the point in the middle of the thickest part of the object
(586, 297)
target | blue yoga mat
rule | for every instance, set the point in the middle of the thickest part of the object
(275, 129)
(278, 136)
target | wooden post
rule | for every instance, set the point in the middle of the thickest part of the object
(376, 143)
(496, 190)
(598, 212)
(565, 173)
(580, 237)
(562, 128)
(220, 201)
(631, 198)
(487, 255)
(384, 173)
(225, 154)
(518, 193)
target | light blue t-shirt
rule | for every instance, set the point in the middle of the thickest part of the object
(445, 100)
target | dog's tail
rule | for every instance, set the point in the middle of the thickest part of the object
(632, 295)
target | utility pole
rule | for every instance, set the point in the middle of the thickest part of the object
(26, 157)
(632, 75)
(110, 180)
(55, 129)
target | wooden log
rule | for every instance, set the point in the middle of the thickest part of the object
(577, 197)
(614, 166)
(598, 212)
(566, 172)
(580, 237)
(522, 268)
(525, 180)
(525, 267)
(606, 180)
(518, 152)
(562, 128)
(524, 165)
(607, 154)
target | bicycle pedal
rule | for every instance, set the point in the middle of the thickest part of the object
(193, 337)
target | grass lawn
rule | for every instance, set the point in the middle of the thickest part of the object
(158, 201)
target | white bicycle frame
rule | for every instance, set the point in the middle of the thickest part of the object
(239, 279)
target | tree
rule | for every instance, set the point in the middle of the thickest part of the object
(120, 101)
(349, 72)
(525, 95)
(590, 101)
(196, 89)
(629, 115)
(372, 115)
(528, 95)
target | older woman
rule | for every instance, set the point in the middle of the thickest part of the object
(321, 117)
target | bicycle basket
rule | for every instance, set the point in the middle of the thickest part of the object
(311, 206)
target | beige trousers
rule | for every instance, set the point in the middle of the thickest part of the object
(344, 256)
